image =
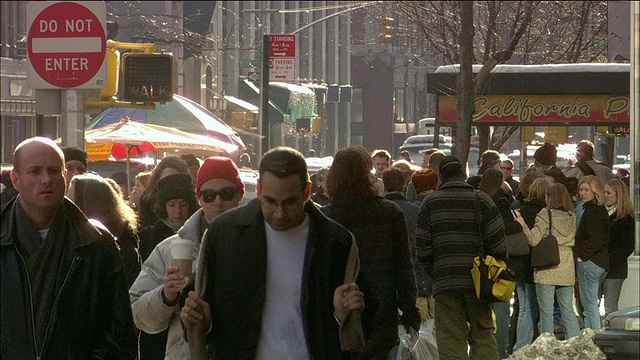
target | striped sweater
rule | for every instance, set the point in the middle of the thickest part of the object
(447, 234)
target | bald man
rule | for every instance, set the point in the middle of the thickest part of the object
(63, 291)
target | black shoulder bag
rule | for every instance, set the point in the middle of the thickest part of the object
(546, 254)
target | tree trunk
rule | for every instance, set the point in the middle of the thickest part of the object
(466, 87)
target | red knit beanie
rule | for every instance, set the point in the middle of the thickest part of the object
(424, 180)
(218, 167)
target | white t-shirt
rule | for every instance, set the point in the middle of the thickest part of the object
(282, 334)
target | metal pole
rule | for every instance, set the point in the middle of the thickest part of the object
(72, 121)
(264, 93)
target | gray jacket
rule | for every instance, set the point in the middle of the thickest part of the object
(150, 314)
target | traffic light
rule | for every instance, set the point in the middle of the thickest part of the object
(386, 30)
(113, 73)
(333, 93)
(147, 77)
(345, 93)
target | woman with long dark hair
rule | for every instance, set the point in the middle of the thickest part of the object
(493, 184)
(380, 231)
(99, 201)
(621, 240)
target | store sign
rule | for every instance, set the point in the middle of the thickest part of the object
(504, 109)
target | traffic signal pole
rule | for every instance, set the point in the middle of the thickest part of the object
(264, 125)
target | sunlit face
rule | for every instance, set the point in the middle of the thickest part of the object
(586, 194)
(74, 167)
(177, 211)
(610, 196)
(139, 188)
(283, 200)
(40, 179)
(506, 169)
(216, 192)
(380, 163)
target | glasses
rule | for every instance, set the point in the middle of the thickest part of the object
(505, 168)
(226, 194)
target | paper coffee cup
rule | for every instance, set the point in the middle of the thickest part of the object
(182, 254)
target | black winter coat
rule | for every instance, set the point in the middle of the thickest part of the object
(592, 238)
(91, 316)
(529, 210)
(621, 242)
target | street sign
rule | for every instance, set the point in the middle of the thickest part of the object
(283, 45)
(282, 60)
(66, 45)
(254, 76)
(245, 63)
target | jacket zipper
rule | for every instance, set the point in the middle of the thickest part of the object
(33, 324)
(53, 308)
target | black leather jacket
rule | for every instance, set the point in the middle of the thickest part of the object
(91, 315)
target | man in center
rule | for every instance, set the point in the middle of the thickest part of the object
(280, 276)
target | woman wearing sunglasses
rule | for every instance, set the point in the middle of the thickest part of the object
(155, 293)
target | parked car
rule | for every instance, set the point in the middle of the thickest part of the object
(250, 180)
(418, 144)
(620, 338)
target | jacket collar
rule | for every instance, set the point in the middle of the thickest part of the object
(455, 183)
(80, 223)
(395, 196)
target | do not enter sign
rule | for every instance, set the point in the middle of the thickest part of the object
(66, 45)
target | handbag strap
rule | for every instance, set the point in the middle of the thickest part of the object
(478, 217)
(550, 223)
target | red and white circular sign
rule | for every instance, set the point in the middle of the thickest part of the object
(66, 44)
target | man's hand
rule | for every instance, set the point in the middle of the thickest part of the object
(196, 310)
(173, 283)
(347, 297)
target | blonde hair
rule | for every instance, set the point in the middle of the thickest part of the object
(624, 205)
(597, 187)
(559, 198)
(538, 189)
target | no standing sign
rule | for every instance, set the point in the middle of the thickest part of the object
(66, 45)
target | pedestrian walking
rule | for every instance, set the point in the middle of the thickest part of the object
(99, 201)
(528, 312)
(621, 240)
(154, 295)
(587, 165)
(63, 292)
(447, 241)
(592, 248)
(148, 201)
(270, 279)
(559, 279)
(380, 230)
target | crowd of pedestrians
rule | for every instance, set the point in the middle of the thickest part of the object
(328, 266)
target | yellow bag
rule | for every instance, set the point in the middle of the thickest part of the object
(492, 279)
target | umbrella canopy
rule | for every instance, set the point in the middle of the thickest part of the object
(126, 138)
(115, 139)
(181, 113)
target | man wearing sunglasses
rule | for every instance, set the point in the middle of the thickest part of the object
(154, 295)
(276, 277)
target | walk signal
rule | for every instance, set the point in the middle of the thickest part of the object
(147, 77)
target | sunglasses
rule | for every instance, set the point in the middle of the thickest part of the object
(225, 194)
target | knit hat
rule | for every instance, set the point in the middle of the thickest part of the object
(218, 167)
(73, 153)
(176, 186)
(546, 154)
(424, 180)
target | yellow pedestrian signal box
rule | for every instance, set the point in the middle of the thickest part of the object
(147, 77)
(528, 134)
(556, 134)
(386, 30)
(113, 73)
